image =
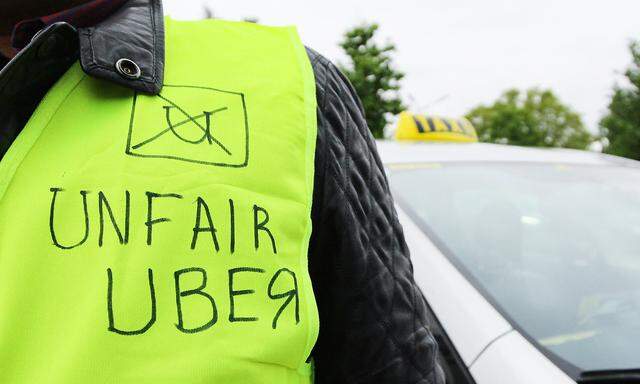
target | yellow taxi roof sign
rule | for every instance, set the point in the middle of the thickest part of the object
(430, 128)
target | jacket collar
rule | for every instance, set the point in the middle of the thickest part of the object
(132, 34)
(83, 15)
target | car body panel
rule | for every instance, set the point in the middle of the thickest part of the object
(511, 359)
(484, 339)
(393, 152)
(470, 321)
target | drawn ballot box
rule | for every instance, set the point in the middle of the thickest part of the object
(188, 123)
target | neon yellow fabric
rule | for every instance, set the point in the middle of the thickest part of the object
(424, 128)
(163, 239)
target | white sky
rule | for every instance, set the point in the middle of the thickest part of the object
(466, 52)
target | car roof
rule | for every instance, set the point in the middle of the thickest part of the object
(400, 152)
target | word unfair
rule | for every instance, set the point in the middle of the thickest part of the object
(203, 214)
(283, 279)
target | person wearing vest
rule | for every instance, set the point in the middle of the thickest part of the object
(192, 202)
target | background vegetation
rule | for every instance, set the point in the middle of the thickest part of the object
(620, 127)
(533, 117)
(373, 76)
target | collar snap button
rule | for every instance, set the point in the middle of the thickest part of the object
(128, 69)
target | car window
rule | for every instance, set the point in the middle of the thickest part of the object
(555, 247)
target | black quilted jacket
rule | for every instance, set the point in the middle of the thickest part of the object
(372, 314)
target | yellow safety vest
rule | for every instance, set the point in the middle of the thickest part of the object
(163, 239)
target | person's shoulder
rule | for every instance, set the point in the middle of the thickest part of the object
(332, 86)
(324, 71)
(317, 58)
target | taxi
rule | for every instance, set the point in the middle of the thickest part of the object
(529, 258)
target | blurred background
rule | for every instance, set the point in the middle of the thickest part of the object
(547, 238)
(535, 73)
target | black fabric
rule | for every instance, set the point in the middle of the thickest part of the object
(26, 79)
(101, 46)
(372, 315)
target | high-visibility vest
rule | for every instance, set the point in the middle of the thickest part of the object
(164, 238)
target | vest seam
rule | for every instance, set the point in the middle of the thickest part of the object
(310, 124)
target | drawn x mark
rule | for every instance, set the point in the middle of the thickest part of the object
(172, 126)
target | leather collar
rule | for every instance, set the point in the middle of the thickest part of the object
(135, 33)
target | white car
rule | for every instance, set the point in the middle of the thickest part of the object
(529, 259)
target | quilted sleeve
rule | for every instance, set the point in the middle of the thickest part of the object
(372, 314)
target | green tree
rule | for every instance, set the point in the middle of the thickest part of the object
(535, 118)
(621, 126)
(372, 74)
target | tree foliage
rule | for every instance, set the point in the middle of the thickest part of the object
(372, 74)
(621, 126)
(534, 118)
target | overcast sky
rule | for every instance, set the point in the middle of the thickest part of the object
(460, 53)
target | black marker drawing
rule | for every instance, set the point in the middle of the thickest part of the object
(190, 123)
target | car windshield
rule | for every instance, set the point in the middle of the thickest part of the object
(555, 247)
